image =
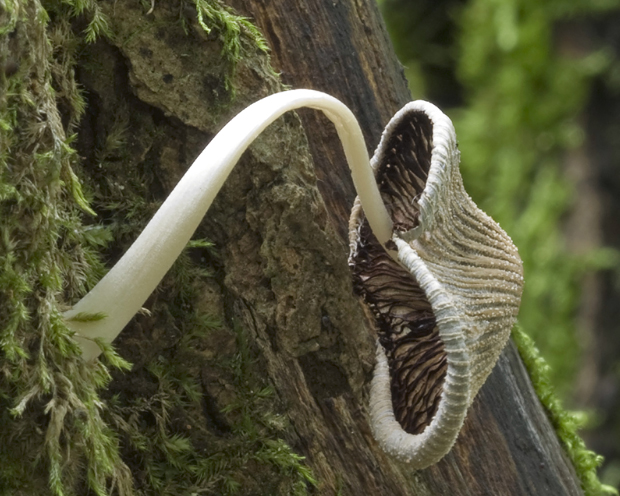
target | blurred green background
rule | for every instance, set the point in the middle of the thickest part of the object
(533, 89)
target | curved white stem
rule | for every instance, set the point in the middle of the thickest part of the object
(123, 291)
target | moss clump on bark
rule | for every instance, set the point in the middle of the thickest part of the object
(173, 450)
(216, 16)
(67, 427)
(50, 410)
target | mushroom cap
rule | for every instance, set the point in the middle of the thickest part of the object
(444, 298)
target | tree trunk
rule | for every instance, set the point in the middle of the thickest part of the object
(213, 408)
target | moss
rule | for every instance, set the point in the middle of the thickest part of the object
(49, 404)
(215, 15)
(171, 449)
(67, 427)
(565, 423)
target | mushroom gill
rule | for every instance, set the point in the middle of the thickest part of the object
(406, 323)
(444, 291)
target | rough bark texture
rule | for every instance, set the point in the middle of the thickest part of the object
(282, 270)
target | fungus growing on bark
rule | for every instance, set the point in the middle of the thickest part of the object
(445, 309)
(441, 278)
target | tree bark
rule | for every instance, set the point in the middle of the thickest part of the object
(156, 93)
(507, 445)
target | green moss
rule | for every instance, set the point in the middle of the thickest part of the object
(565, 423)
(50, 410)
(87, 317)
(67, 428)
(238, 35)
(166, 440)
(213, 14)
(97, 24)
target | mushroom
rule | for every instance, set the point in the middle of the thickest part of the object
(441, 278)
(110, 305)
(445, 304)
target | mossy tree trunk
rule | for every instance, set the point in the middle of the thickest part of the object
(253, 352)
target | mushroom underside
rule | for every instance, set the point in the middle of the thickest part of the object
(407, 327)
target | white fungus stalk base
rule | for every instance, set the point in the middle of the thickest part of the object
(123, 291)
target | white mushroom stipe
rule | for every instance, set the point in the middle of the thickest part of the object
(125, 288)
